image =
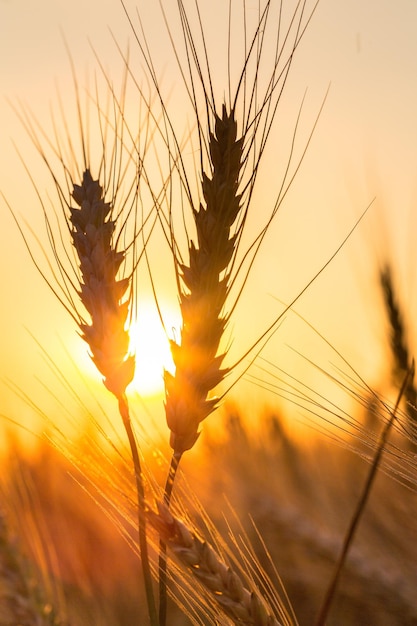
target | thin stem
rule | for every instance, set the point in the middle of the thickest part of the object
(143, 543)
(175, 460)
(329, 597)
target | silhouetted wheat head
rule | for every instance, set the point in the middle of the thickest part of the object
(197, 362)
(101, 218)
(100, 291)
(214, 265)
(213, 268)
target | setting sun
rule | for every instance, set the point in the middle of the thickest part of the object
(149, 342)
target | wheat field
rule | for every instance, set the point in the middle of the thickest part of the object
(268, 476)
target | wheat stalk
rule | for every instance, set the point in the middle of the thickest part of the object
(103, 296)
(213, 265)
(204, 291)
(99, 233)
(362, 503)
(205, 282)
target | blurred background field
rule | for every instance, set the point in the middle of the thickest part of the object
(298, 493)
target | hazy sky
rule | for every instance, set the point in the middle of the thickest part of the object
(365, 146)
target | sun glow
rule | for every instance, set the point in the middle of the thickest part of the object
(149, 342)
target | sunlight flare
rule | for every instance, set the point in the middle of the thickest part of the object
(149, 341)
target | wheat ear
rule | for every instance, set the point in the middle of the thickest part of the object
(204, 290)
(399, 345)
(205, 286)
(362, 502)
(224, 585)
(100, 291)
(103, 295)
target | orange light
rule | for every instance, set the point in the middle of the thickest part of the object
(150, 344)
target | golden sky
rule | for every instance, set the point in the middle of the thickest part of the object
(365, 147)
